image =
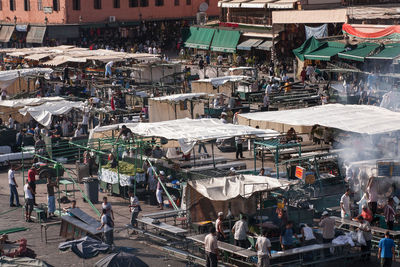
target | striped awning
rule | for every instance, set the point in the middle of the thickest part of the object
(249, 44)
(36, 34)
(6, 33)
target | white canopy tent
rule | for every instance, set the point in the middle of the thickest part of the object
(226, 188)
(179, 97)
(222, 80)
(19, 103)
(8, 77)
(188, 132)
(43, 113)
(362, 119)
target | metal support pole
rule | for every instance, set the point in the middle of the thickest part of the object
(213, 156)
(255, 157)
(277, 162)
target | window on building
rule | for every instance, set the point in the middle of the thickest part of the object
(76, 4)
(188, 2)
(159, 2)
(144, 3)
(133, 3)
(56, 5)
(97, 4)
(116, 4)
(176, 2)
(12, 5)
(26, 5)
(39, 5)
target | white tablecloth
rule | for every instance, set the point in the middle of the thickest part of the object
(111, 177)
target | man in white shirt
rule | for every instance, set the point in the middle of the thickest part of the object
(239, 230)
(13, 187)
(307, 235)
(108, 68)
(345, 205)
(28, 201)
(211, 248)
(108, 225)
(266, 102)
(268, 89)
(78, 131)
(219, 60)
(134, 207)
(85, 123)
(107, 206)
(263, 247)
(10, 122)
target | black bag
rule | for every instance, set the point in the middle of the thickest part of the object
(110, 222)
(139, 208)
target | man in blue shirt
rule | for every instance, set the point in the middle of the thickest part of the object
(386, 251)
(286, 238)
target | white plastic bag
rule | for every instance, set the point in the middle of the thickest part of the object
(360, 238)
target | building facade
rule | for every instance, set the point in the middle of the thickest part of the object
(95, 11)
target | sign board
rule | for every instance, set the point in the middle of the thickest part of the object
(300, 172)
(48, 9)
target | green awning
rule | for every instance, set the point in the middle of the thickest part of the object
(199, 38)
(360, 53)
(326, 52)
(390, 52)
(308, 46)
(225, 41)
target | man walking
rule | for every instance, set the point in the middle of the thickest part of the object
(211, 248)
(28, 201)
(263, 247)
(239, 147)
(108, 225)
(134, 207)
(386, 251)
(13, 187)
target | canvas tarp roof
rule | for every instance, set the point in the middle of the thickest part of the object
(21, 262)
(308, 46)
(362, 119)
(265, 46)
(43, 113)
(226, 188)
(360, 53)
(19, 103)
(178, 97)
(222, 80)
(282, 4)
(309, 16)
(7, 77)
(59, 60)
(190, 131)
(256, 4)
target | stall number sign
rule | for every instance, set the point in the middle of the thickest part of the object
(300, 172)
(47, 9)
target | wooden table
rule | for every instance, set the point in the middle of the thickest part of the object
(45, 226)
(146, 221)
(374, 229)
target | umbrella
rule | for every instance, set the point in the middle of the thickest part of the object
(121, 259)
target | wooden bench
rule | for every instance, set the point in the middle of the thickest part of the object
(45, 226)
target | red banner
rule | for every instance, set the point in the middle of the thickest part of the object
(228, 25)
(371, 35)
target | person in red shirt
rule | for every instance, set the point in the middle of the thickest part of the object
(31, 180)
(367, 214)
(303, 75)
